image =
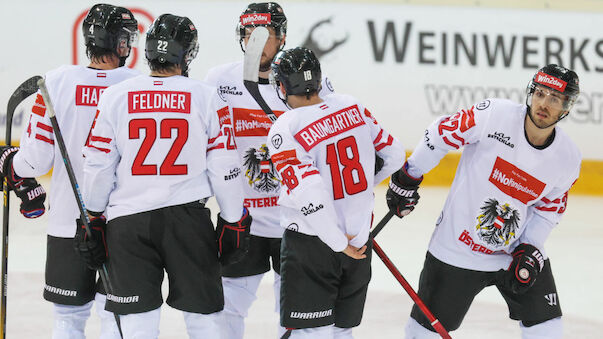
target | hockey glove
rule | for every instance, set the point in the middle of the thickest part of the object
(402, 195)
(233, 238)
(378, 163)
(30, 192)
(93, 250)
(521, 275)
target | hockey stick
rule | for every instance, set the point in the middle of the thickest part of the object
(411, 292)
(381, 224)
(27, 88)
(251, 67)
(76, 189)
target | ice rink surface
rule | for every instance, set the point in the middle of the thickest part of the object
(575, 248)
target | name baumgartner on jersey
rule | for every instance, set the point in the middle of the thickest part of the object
(330, 148)
(251, 125)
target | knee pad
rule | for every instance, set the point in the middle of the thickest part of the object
(550, 329)
(141, 325)
(199, 326)
(414, 330)
(240, 293)
(109, 329)
(323, 332)
(70, 321)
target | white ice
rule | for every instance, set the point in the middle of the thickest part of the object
(575, 248)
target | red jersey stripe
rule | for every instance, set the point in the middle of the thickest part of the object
(45, 139)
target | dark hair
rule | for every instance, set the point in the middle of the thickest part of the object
(162, 67)
(99, 54)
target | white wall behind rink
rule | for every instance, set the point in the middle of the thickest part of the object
(408, 64)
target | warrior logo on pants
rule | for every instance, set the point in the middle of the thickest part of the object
(260, 170)
(497, 224)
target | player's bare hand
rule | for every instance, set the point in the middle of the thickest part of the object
(354, 252)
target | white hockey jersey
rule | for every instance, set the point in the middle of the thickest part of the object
(251, 126)
(325, 154)
(505, 191)
(157, 142)
(74, 91)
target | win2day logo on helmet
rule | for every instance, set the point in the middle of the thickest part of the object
(550, 81)
(255, 19)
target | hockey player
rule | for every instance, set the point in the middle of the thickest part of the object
(262, 184)
(109, 32)
(156, 154)
(324, 150)
(509, 192)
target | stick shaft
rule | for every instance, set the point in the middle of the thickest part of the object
(73, 181)
(27, 88)
(411, 292)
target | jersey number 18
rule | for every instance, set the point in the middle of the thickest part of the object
(345, 153)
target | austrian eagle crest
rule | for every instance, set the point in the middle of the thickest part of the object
(497, 223)
(260, 170)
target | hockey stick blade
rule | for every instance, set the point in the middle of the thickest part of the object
(251, 67)
(253, 53)
(27, 88)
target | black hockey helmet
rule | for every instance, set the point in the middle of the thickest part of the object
(267, 14)
(110, 27)
(172, 39)
(559, 79)
(298, 69)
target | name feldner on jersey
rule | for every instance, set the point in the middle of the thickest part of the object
(505, 191)
(250, 124)
(325, 154)
(157, 142)
(75, 92)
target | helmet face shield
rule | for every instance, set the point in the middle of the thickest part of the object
(192, 52)
(243, 38)
(551, 98)
(273, 80)
(555, 86)
(126, 39)
(132, 35)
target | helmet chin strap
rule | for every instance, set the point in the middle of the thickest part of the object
(122, 59)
